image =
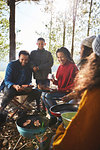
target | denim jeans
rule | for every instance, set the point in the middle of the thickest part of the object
(45, 82)
(9, 94)
(49, 99)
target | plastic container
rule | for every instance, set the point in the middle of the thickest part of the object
(67, 117)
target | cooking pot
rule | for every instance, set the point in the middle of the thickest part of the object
(57, 110)
(30, 129)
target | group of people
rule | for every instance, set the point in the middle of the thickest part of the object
(83, 132)
(82, 83)
(40, 61)
(19, 73)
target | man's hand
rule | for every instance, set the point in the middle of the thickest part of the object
(35, 69)
(17, 87)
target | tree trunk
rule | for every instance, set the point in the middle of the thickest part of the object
(72, 50)
(74, 19)
(12, 30)
(50, 38)
(89, 18)
(64, 32)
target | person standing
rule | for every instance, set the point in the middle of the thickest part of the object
(41, 62)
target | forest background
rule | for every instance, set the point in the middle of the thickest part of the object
(60, 22)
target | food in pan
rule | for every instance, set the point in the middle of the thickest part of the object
(26, 123)
(37, 123)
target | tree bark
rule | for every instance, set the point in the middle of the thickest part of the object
(88, 30)
(12, 53)
(64, 32)
(74, 19)
(50, 38)
(64, 29)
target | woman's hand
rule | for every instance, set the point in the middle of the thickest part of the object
(52, 79)
(69, 97)
(53, 90)
(65, 98)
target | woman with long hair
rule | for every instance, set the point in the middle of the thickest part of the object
(64, 80)
(83, 132)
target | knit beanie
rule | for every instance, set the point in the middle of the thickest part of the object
(96, 45)
(88, 41)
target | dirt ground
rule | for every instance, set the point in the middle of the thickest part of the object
(10, 138)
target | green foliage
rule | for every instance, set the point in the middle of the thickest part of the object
(4, 29)
(53, 30)
(54, 26)
(82, 22)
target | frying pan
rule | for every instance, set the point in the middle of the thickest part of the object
(57, 110)
(30, 129)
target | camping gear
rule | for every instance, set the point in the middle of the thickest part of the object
(30, 125)
(57, 110)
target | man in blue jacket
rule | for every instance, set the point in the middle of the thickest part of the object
(19, 74)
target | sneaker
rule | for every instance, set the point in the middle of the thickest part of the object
(52, 121)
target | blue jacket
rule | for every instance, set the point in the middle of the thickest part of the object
(17, 74)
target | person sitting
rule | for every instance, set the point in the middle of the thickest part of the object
(83, 132)
(65, 76)
(18, 74)
(86, 50)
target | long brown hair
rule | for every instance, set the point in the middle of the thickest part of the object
(66, 52)
(89, 76)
